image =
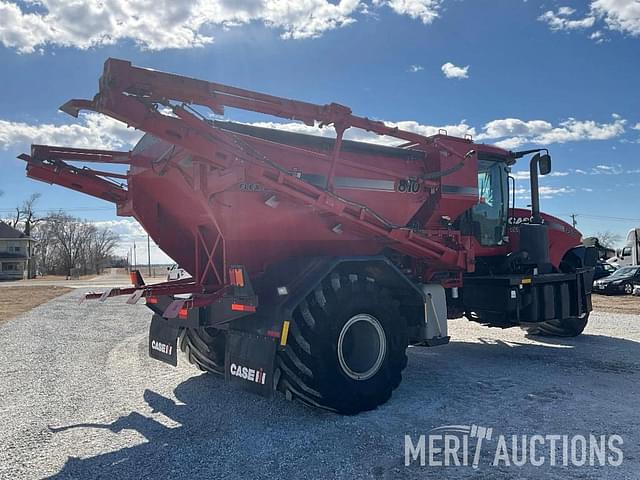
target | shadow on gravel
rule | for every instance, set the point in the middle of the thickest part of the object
(218, 423)
(226, 432)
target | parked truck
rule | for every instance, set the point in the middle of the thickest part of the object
(315, 262)
(629, 255)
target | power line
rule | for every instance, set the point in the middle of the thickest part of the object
(602, 217)
(76, 209)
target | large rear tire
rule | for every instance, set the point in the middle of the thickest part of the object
(204, 348)
(346, 347)
(569, 327)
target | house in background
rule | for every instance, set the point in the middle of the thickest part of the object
(15, 251)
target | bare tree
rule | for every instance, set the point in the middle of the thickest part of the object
(27, 211)
(67, 233)
(103, 242)
(44, 248)
(608, 239)
(66, 243)
(29, 221)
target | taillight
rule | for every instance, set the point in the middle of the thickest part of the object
(238, 307)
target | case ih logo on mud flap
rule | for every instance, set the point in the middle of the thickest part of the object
(249, 361)
(248, 374)
(162, 341)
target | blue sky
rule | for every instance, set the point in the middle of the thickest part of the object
(560, 74)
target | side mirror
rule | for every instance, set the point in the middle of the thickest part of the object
(545, 164)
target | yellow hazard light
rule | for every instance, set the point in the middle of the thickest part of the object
(285, 333)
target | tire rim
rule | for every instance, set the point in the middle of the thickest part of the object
(362, 346)
(628, 288)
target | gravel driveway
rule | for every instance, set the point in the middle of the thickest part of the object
(79, 398)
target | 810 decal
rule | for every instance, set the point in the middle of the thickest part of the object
(408, 186)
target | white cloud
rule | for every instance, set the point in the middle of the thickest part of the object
(605, 169)
(636, 126)
(546, 192)
(618, 15)
(415, 68)
(524, 174)
(93, 131)
(512, 132)
(615, 169)
(560, 20)
(452, 71)
(550, 192)
(424, 10)
(161, 24)
(566, 11)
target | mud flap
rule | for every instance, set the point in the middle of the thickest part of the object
(249, 361)
(163, 340)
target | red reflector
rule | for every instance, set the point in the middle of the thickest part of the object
(238, 307)
(183, 313)
(152, 299)
(271, 333)
(236, 277)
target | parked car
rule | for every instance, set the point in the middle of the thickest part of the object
(603, 269)
(622, 280)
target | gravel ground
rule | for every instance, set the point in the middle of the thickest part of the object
(81, 399)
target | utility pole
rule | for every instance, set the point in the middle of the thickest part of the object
(135, 258)
(149, 254)
(573, 220)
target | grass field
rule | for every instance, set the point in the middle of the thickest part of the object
(17, 300)
(616, 303)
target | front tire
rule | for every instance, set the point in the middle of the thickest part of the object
(568, 327)
(346, 347)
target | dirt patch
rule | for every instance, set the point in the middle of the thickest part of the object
(616, 303)
(17, 300)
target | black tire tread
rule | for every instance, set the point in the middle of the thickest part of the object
(296, 364)
(204, 348)
(569, 327)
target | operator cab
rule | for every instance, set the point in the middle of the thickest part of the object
(487, 220)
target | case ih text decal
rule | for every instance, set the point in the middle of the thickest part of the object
(249, 374)
(161, 347)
